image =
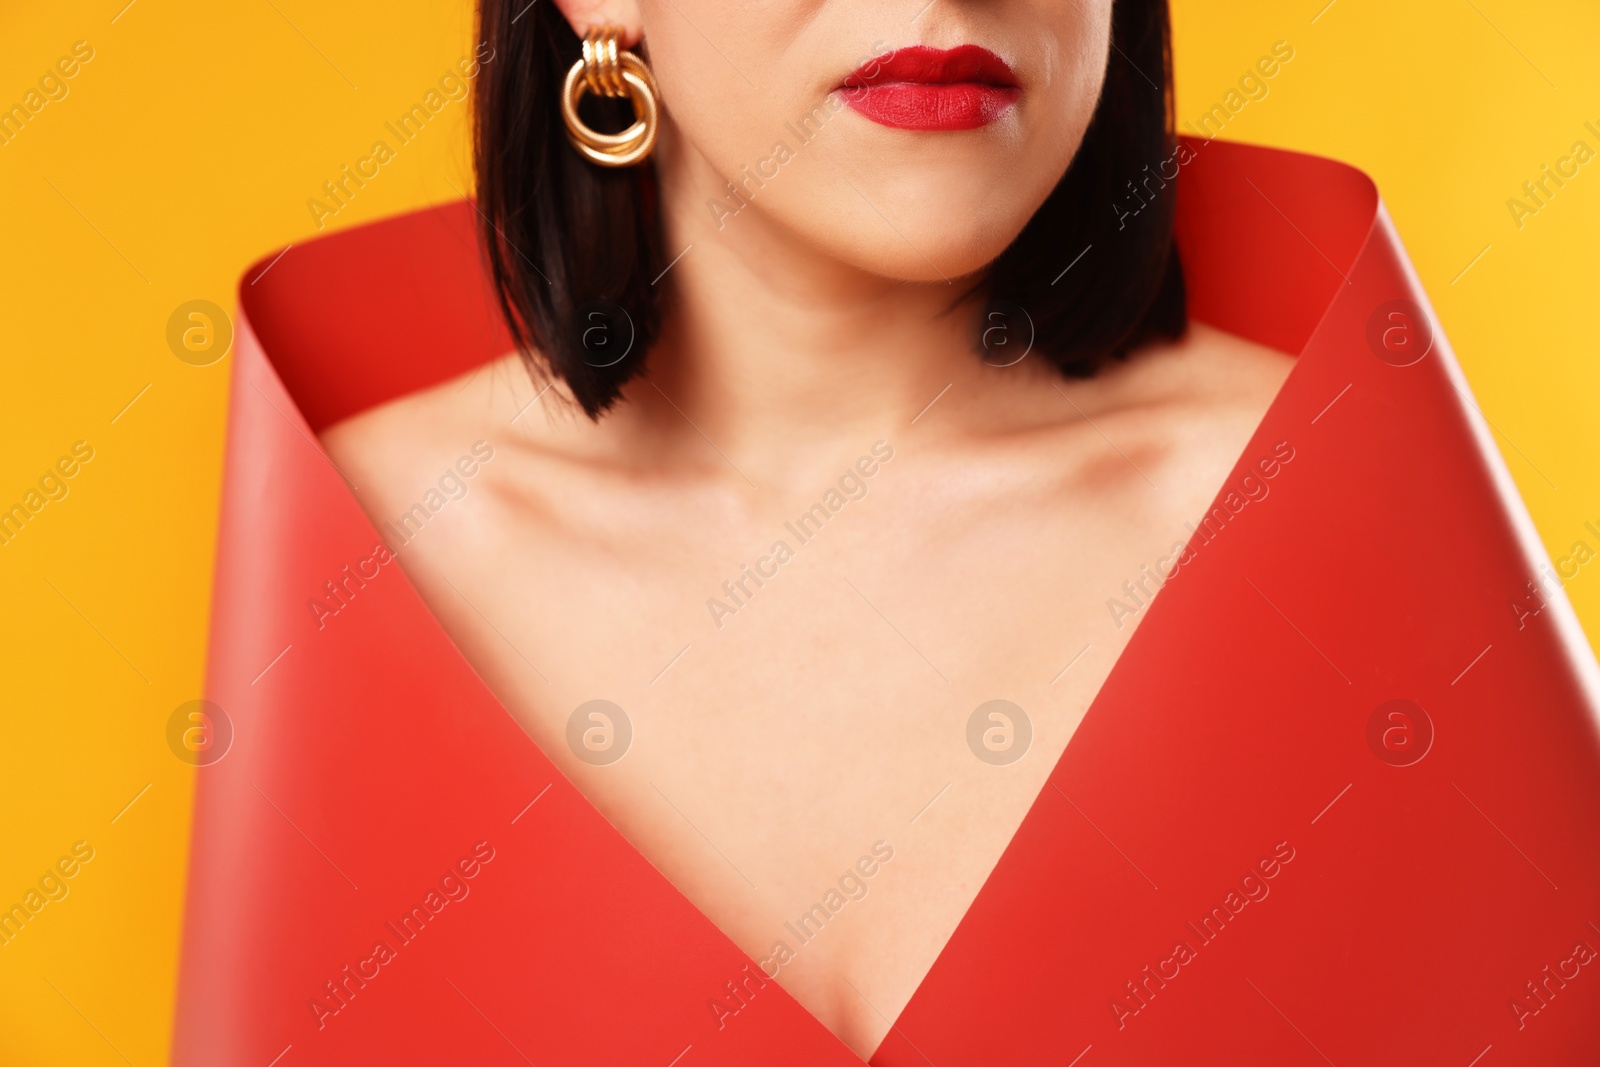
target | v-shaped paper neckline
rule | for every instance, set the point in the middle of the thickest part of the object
(320, 411)
(444, 633)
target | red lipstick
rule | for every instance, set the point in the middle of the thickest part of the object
(922, 88)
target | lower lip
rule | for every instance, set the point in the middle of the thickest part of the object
(922, 106)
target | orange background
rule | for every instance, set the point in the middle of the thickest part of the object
(188, 146)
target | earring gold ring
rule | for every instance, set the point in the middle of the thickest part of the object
(607, 70)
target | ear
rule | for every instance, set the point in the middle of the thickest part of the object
(584, 15)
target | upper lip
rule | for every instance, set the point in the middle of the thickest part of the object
(919, 64)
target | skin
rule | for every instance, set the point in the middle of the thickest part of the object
(774, 746)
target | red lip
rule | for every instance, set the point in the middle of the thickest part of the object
(922, 88)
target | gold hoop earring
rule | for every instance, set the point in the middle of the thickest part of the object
(607, 70)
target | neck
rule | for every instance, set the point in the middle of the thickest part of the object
(774, 349)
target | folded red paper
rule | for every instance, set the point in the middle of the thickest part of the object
(1338, 802)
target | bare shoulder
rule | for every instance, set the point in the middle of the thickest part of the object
(399, 450)
(1211, 369)
(419, 419)
(1182, 411)
(1208, 379)
(498, 401)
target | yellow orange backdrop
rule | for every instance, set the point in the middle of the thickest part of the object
(188, 144)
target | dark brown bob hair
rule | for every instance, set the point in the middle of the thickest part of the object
(574, 249)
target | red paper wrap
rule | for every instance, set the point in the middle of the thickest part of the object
(1287, 883)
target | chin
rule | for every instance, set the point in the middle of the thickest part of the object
(908, 224)
(927, 261)
(916, 233)
(957, 199)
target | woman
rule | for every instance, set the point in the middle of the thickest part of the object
(865, 420)
(817, 310)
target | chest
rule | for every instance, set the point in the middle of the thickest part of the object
(822, 723)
